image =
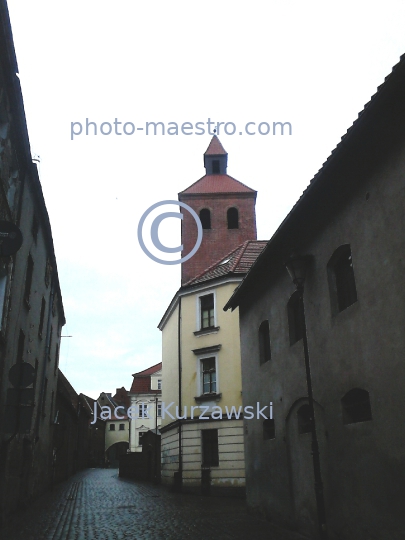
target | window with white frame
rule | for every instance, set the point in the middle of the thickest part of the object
(207, 312)
(209, 375)
(143, 410)
(159, 384)
(140, 442)
(159, 410)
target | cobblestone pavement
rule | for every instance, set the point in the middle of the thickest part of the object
(97, 505)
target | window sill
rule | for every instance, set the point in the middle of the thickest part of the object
(204, 331)
(208, 397)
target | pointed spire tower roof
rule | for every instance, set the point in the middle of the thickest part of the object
(215, 148)
(215, 180)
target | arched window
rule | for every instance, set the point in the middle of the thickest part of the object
(304, 419)
(264, 342)
(205, 217)
(269, 429)
(356, 406)
(342, 284)
(295, 319)
(233, 218)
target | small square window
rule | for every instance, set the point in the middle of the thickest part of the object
(112, 427)
(122, 427)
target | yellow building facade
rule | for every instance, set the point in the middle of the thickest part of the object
(202, 409)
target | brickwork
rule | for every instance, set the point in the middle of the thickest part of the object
(219, 240)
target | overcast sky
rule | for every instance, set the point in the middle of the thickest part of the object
(313, 64)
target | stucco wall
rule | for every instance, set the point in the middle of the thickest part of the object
(363, 464)
(230, 472)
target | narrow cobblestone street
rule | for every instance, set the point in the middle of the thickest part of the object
(97, 505)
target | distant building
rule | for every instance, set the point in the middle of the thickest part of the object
(70, 431)
(117, 428)
(350, 219)
(96, 435)
(31, 308)
(146, 391)
(200, 343)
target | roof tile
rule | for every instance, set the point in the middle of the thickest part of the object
(238, 261)
(215, 148)
(217, 183)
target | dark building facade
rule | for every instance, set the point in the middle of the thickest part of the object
(96, 435)
(350, 220)
(31, 309)
(71, 431)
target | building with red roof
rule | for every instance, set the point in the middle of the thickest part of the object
(226, 208)
(201, 361)
(146, 403)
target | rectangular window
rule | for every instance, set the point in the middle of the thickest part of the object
(159, 384)
(210, 457)
(20, 350)
(56, 359)
(50, 344)
(52, 400)
(140, 442)
(207, 311)
(269, 429)
(36, 376)
(209, 376)
(122, 427)
(44, 397)
(215, 166)
(143, 410)
(159, 410)
(112, 427)
(28, 279)
(3, 287)
(42, 318)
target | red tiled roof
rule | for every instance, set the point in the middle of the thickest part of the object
(238, 261)
(141, 382)
(215, 147)
(217, 183)
(121, 397)
(149, 371)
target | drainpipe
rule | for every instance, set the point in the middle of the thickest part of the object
(180, 473)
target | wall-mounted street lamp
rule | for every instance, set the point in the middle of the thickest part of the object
(297, 268)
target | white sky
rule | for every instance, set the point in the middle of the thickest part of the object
(314, 64)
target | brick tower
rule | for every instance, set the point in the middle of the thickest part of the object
(227, 211)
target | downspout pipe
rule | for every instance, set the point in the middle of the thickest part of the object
(180, 473)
